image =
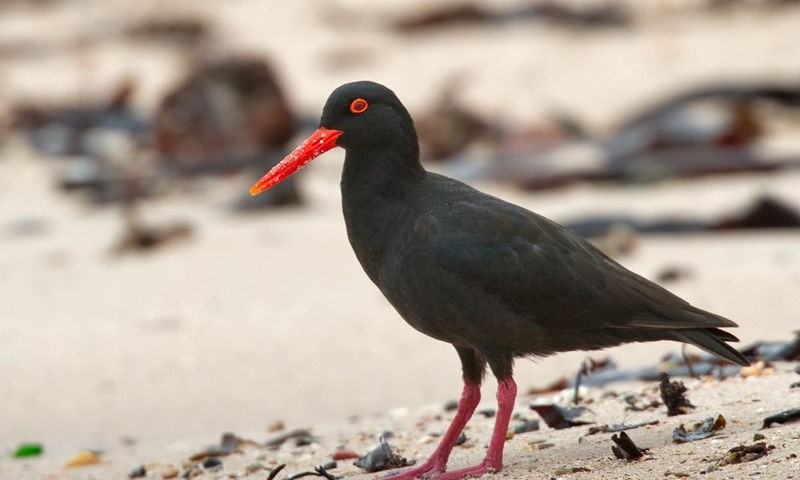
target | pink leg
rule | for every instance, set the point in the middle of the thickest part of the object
(493, 462)
(470, 397)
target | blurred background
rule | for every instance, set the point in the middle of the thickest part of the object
(146, 297)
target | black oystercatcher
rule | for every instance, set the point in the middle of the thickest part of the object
(495, 280)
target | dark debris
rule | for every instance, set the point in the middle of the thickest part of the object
(138, 472)
(775, 351)
(212, 463)
(319, 471)
(787, 416)
(625, 449)
(275, 471)
(144, 238)
(487, 412)
(223, 112)
(672, 393)
(525, 426)
(699, 431)
(381, 458)
(228, 444)
(608, 15)
(640, 402)
(176, 30)
(560, 472)
(765, 212)
(451, 405)
(301, 437)
(558, 417)
(618, 427)
(745, 453)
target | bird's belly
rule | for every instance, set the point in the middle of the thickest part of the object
(443, 307)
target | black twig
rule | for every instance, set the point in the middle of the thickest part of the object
(275, 471)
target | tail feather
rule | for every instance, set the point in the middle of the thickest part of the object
(712, 340)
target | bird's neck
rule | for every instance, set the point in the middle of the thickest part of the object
(387, 174)
(377, 193)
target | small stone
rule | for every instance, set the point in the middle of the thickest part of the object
(451, 405)
(539, 444)
(428, 439)
(276, 427)
(83, 458)
(138, 472)
(676, 474)
(526, 426)
(758, 436)
(344, 454)
(170, 472)
(212, 463)
(193, 472)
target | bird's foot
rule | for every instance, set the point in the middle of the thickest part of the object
(438, 472)
(474, 471)
(426, 470)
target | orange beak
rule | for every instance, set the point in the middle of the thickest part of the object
(318, 143)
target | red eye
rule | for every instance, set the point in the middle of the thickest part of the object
(359, 105)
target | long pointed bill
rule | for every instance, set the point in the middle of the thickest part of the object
(318, 143)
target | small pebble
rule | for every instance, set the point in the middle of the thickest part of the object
(193, 472)
(344, 454)
(487, 412)
(428, 438)
(758, 436)
(451, 405)
(83, 458)
(138, 472)
(526, 426)
(170, 472)
(276, 427)
(212, 463)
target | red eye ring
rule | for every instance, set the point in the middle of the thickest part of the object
(359, 105)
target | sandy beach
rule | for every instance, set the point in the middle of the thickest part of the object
(267, 317)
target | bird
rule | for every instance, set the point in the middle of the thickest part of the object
(495, 280)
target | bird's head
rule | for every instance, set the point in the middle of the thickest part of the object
(357, 116)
